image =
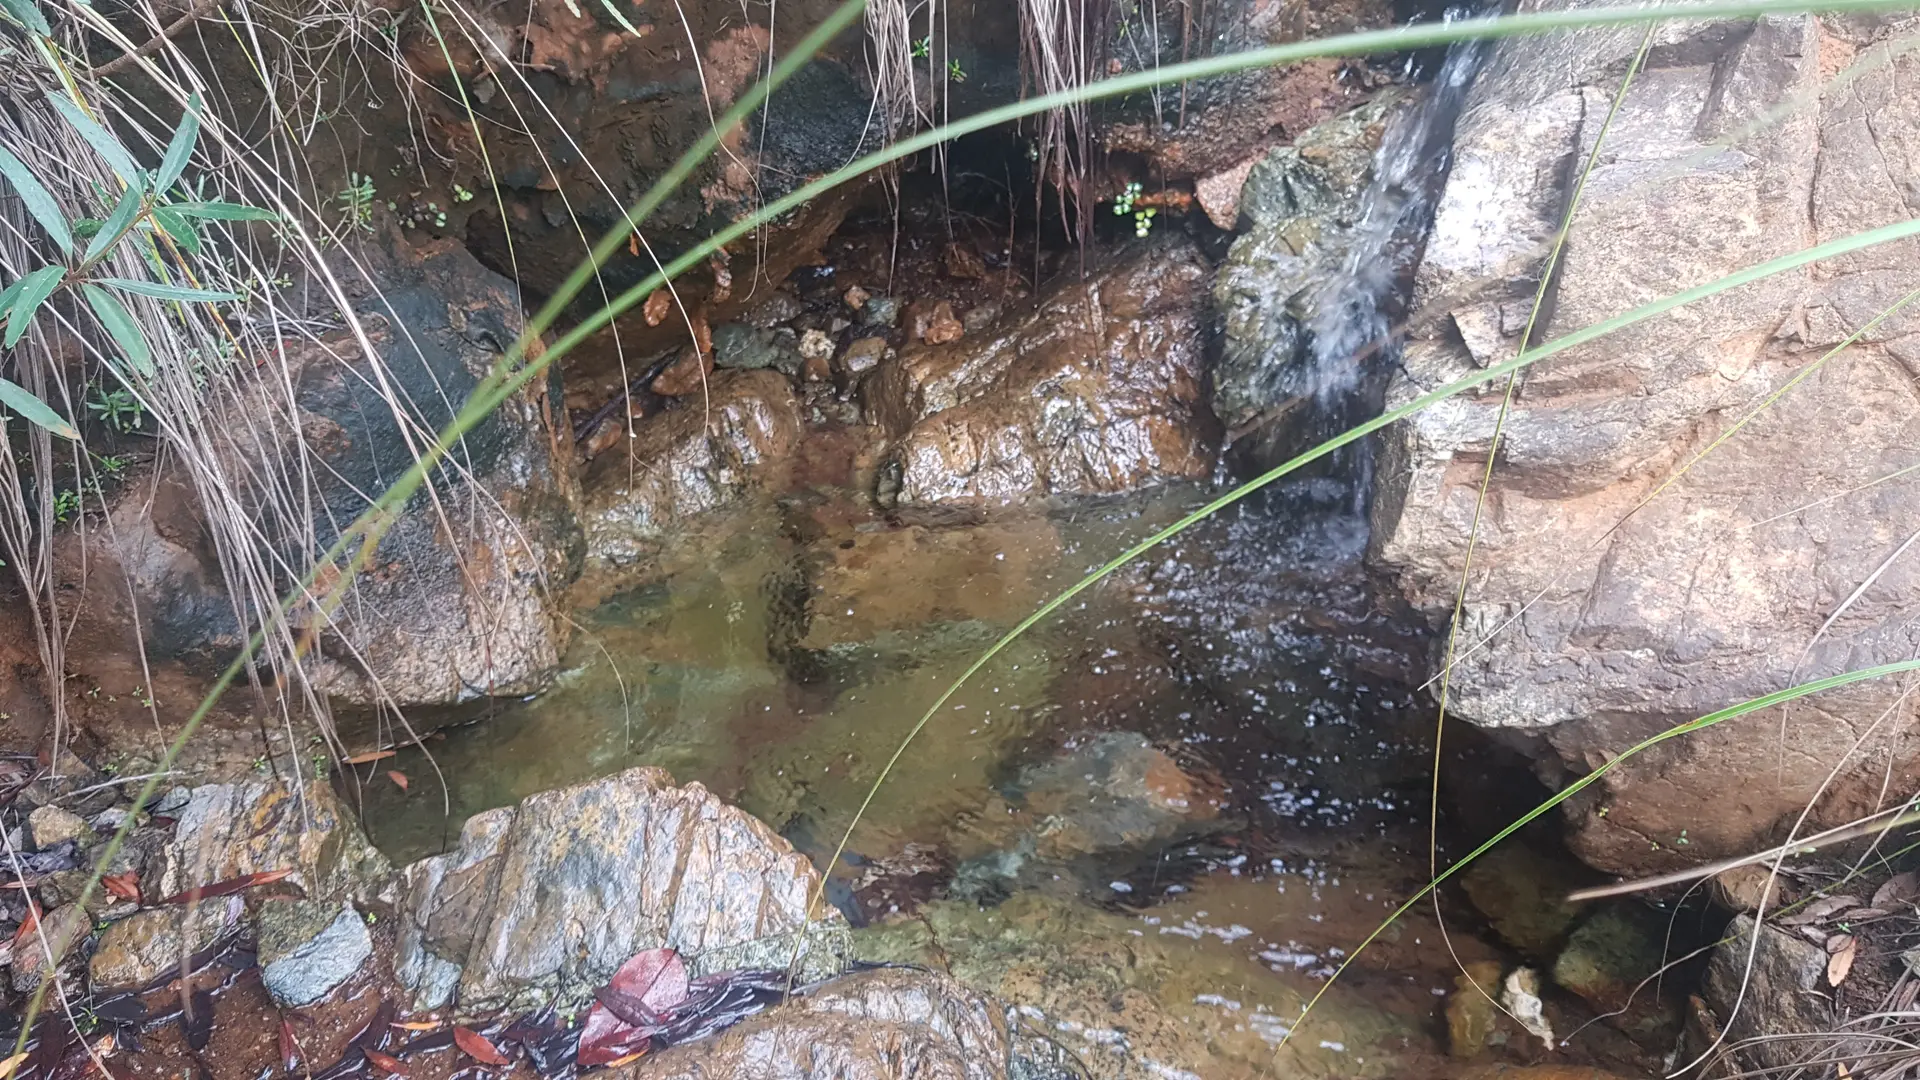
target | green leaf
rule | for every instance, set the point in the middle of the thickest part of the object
(222, 211)
(101, 140)
(168, 292)
(181, 148)
(179, 228)
(27, 14)
(119, 322)
(7, 296)
(117, 223)
(15, 397)
(34, 290)
(38, 200)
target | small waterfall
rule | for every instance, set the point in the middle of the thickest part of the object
(1354, 310)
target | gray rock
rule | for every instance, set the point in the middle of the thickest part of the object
(880, 311)
(308, 948)
(889, 1024)
(52, 825)
(147, 944)
(1098, 391)
(781, 307)
(543, 901)
(58, 932)
(1721, 588)
(1609, 955)
(229, 830)
(1783, 991)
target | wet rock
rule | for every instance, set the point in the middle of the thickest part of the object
(863, 355)
(934, 324)
(51, 825)
(58, 932)
(1297, 206)
(230, 830)
(690, 373)
(816, 345)
(980, 317)
(147, 944)
(1746, 889)
(888, 1024)
(544, 901)
(1097, 392)
(308, 948)
(1609, 954)
(1782, 991)
(781, 307)
(1473, 1021)
(745, 348)
(687, 461)
(1523, 895)
(880, 311)
(1690, 603)
(855, 297)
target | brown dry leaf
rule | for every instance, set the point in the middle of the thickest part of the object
(656, 307)
(478, 1047)
(627, 1060)
(125, 886)
(386, 1062)
(371, 755)
(1898, 889)
(399, 778)
(1841, 962)
(1820, 909)
(416, 1025)
(8, 1066)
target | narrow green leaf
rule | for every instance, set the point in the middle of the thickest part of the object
(116, 225)
(119, 322)
(35, 411)
(179, 228)
(222, 211)
(38, 199)
(34, 290)
(101, 140)
(168, 292)
(27, 14)
(181, 148)
(7, 296)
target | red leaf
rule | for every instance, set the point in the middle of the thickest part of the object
(125, 886)
(605, 1038)
(28, 924)
(398, 777)
(387, 1062)
(656, 977)
(227, 887)
(289, 1050)
(478, 1047)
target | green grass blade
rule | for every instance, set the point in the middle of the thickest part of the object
(34, 411)
(169, 292)
(33, 291)
(120, 326)
(222, 211)
(37, 199)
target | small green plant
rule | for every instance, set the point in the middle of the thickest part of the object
(955, 71)
(117, 408)
(923, 48)
(1123, 203)
(356, 202)
(66, 506)
(461, 194)
(112, 464)
(1142, 218)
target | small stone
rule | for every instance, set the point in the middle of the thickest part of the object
(880, 311)
(1472, 1018)
(1521, 891)
(1745, 888)
(781, 307)
(684, 376)
(742, 347)
(856, 297)
(941, 326)
(815, 345)
(1607, 956)
(139, 949)
(111, 818)
(837, 324)
(962, 262)
(1219, 194)
(863, 355)
(52, 825)
(308, 948)
(817, 369)
(58, 932)
(980, 316)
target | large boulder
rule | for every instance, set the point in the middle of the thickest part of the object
(1098, 391)
(1595, 621)
(545, 900)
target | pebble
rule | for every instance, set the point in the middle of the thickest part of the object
(864, 355)
(52, 825)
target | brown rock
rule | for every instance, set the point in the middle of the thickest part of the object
(1745, 889)
(1219, 194)
(545, 900)
(1472, 1015)
(688, 374)
(963, 262)
(856, 297)
(144, 946)
(863, 355)
(1098, 391)
(58, 931)
(230, 830)
(887, 1024)
(934, 324)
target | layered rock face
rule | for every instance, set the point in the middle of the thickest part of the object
(1626, 578)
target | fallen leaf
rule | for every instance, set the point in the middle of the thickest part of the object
(633, 245)
(1897, 889)
(605, 1038)
(398, 777)
(658, 977)
(371, 755)
(10, 1064)
(289, 1049)
(125, 886)
(227, 887)
(1841, 960)
(655, 309)
(416, 1025)
(1820, 909)
(27, 924)
(386, 1062)
(628, 1060)
(478, 1047)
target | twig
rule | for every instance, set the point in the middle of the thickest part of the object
(115, 66)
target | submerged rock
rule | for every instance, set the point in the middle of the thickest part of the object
(545, 900)
(1726, 585)
(147, 944)
(888, 1024)
(708, 453)
(1609, 957)
(308, 948)
(1099, 391)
